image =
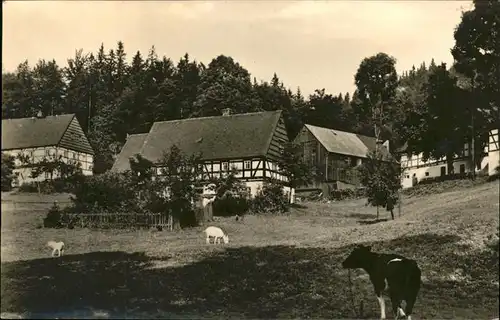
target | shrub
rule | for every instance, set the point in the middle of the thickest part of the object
(53, 218)
(449, 177)
(230, 205)
(107, 192)
(231, 196)
(270, 199)
(344, 194)
(8, 175)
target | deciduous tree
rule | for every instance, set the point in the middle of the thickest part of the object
(381, 177)
(477, 54)
(376, 81)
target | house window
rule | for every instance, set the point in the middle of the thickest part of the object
(462, 168)
(65, 153)
(225, 166)
(47, 175)
(426, 173)
(443, 171)
(75, 155)
(47, 152)
(248, 164)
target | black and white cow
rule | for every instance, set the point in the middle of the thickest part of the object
(392, 272)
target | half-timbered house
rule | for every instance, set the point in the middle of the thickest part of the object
(50, 137)
(251, 143)
(335, 154)
(415, 168)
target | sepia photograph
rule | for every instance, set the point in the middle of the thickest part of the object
(249, 159)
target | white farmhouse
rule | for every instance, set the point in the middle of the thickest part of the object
(415, 169)
(250, 142)
(46, 137)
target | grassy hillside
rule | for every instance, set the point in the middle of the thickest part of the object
(274, 266)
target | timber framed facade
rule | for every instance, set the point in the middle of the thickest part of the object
(251, 143)
(52, 137)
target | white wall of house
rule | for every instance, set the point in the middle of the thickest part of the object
(415, 166)
(432, 169)
(38, 154)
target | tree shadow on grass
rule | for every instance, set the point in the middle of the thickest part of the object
(245, 282)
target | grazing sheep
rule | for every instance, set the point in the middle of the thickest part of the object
(57, 247)
(217, 233)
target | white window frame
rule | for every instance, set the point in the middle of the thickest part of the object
(247, 165)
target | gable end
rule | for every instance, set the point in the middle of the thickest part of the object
(75, 139)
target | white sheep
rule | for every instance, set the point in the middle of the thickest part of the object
(56, 247)
(217, 233)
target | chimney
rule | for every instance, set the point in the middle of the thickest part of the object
(226, 111)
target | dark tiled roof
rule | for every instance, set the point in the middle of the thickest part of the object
(220, 137)
(34, 132)
(342, 142)
(132, 146)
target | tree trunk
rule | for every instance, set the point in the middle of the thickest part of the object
(392, 214)
(377, 213)
(449, 164)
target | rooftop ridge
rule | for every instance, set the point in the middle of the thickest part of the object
(358, 134)
(220, 116)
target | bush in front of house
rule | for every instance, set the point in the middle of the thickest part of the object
(139, 192)
(230, 205)
(270, 199)
(346, 194)
(449, 177)
(232, 196)
(53, 218)
(107, 192)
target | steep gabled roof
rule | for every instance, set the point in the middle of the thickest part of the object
(132, 146)
(220, 137)
(341, 142)
(34, 132)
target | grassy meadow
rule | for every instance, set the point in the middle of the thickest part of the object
(283, 266)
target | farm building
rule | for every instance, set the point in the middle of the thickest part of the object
(415, 169)
(50, 137)
(250, 142)
(335, 153)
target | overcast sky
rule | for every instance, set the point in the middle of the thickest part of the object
(309, 44)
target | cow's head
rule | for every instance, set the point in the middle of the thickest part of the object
(357, 258)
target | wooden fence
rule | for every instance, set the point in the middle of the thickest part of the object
(123, 220)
